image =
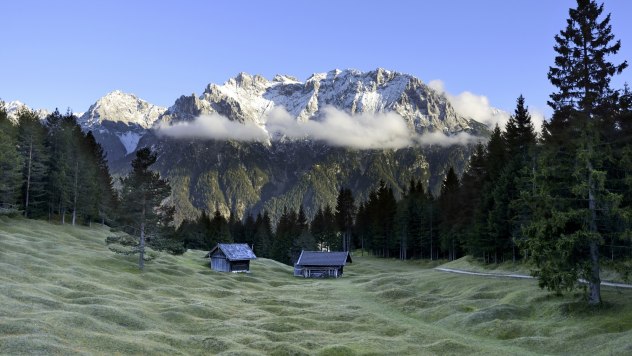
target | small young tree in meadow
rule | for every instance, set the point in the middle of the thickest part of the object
(143, 191)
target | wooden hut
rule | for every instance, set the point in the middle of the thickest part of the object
(315, 264)
(231, 257)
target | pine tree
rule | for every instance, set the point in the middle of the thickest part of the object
(565, 236)
(143, 191)
(282, 245)
(104, 197)
(59, 181)
(473, 181)
(317, 228)
(35, 163)
(582, 72)
(332, 242)
(263, 235)
(416, 218)
(218, 231)
(450, 210)
(520, 135)
(431, 226)
(10, 163)
(345, 214)
(196, 234)
(521, 138)
(402, 221)
(493, 220)
(301, 220)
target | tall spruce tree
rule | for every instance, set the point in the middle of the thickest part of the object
(284, 236)
(473, 181)
(330, 230)
(59, 183)
(219, 231)
(103, 199)
(345, 215)
(582, 71)
(520, 134)
(32, 137)
(10, 163)
(142, 193)
(450, 210)
(520, 137)
(263, 235)
(571, 197)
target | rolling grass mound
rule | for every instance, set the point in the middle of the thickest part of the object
(62, 291)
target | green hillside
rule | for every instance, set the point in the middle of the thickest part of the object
(62, 291)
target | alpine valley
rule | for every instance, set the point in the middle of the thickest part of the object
(242, 177)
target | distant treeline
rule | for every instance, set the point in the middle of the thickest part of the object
(51, 169)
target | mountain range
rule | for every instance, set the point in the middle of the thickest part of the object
(337, 131)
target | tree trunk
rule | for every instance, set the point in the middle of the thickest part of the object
(362, 245)
(431, 251)
(28, 179)
(74, 203)
(594, 282)
(141, 258)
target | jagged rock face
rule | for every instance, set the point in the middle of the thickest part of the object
(118, 121)
(250, 98)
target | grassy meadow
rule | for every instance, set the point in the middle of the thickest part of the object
(62, 291)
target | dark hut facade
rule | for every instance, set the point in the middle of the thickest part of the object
(231, 258)
(317, 264)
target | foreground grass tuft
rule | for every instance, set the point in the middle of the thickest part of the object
(62, 291)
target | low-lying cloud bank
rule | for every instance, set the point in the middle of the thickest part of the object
(214, 126)
(334, 127)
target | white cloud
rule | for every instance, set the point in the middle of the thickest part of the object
(437, 85)
(214, 126)
(334, 127)
(362, 131)
(338, 128)
(537, 117)
(473, 106)
(441, 139)
(478, 108)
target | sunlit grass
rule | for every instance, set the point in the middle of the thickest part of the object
(63, 292)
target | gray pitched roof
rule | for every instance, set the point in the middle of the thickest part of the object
(234, 252)
(318, 258)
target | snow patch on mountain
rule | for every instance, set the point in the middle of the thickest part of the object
(129, 140)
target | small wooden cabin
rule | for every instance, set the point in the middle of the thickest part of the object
(317, 264)
(231, 257)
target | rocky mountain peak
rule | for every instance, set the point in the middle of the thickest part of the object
(118, 106)
(249, 97)
(282, 78)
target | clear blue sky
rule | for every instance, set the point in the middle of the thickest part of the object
(70, 53)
